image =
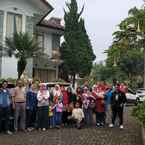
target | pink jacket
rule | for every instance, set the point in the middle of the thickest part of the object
(59, 107)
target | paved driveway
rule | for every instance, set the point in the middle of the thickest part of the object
(130, 135)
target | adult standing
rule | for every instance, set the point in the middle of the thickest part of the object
(88, 112)
(72, 96)
(56, 94)
(19, 104)
(118, 100)
(79, 96)
(43, 102)
(108, 95)
(5, 101)
(99, 94)
(31, 107)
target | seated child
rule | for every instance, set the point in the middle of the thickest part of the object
(77, 116)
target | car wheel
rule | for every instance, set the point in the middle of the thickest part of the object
(137, 101)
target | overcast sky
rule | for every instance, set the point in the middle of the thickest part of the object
(101, 19)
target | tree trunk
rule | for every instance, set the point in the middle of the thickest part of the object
(21, 66)
(73, 80)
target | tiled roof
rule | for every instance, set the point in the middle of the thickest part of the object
(54, 23)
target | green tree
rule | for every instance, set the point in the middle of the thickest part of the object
(125, 51)
(22, 46)
(76, 50)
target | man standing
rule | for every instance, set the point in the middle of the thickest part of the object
(118, 100)
(19, 104)
(5, 101)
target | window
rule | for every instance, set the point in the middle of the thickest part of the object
(1, 26)
(29, 25)
(55, 42)
(40, 39)
(14, 24)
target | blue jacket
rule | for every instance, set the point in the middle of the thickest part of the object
(31, 100)
(5, 98)
(108, 98)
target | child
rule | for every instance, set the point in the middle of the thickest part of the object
(77, 115)
(51, 115)
(58, 113)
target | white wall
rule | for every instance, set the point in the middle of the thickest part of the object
(25, 8)
(9, 67)
(48, 44)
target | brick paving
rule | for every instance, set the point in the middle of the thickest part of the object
(130, 135)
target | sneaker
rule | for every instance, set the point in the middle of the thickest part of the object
(51, 127)
(111, 125)
(102, 124)
(23, 130)
(121, 126)
(9, 132)
(44, 129)
(30, 129)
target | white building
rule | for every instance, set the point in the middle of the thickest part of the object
(28, 16)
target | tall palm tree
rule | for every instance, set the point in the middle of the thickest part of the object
(22, 46)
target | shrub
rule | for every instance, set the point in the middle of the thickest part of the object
(139, 113)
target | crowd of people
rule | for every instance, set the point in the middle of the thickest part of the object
(38, 107)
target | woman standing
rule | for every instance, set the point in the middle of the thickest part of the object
(88, 112)
(43, 102)
(31, 106)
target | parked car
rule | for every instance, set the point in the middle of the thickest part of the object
(131, 96)
(140, 95)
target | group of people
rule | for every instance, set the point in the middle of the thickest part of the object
(39, 107)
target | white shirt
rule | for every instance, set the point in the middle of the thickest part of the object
(43, 98)
(78, 114)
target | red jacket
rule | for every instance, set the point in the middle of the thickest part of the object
(100, 103)
(65, 98)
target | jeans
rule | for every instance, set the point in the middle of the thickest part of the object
(58, 118)
(4, 116)
(88, 116)
(51, 121)
(20, 111)
(42, 117)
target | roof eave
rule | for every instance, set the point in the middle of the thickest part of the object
(55, 28)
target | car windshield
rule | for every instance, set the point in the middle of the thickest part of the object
(131, 91)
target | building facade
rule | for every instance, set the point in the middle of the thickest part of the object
(29, 16)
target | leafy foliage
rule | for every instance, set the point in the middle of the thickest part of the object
(77, 52)
(139, 113)
(126, 51)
